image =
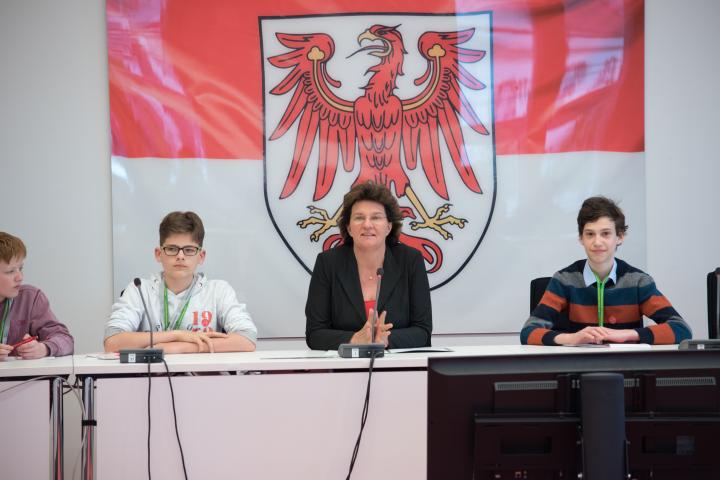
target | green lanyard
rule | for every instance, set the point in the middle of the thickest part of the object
(601, 299)
(166, 319)
(3, 333)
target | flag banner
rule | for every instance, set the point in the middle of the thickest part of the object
(497, 118)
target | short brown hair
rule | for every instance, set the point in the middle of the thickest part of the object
(595, 208)
(11, 247)
(180, 223)
(373, 192)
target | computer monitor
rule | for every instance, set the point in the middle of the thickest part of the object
(520, 417)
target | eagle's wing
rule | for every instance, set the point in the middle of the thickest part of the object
(441, 104)
(318, 109)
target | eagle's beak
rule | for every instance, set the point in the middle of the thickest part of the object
(378, 50)
(367, 35)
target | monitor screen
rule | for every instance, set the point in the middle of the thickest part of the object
(509, 417)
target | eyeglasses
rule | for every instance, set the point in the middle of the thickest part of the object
(188, 250)
(360, 219)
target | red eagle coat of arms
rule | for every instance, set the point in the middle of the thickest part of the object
(337, 99)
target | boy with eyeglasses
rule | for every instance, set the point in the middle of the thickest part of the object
(28, 328)
(189, 312)
(602, 299)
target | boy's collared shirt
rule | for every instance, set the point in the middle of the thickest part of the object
(589, 275)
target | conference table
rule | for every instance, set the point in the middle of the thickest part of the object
(266, 414)
(261, 415)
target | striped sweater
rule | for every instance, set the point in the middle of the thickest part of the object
(568, 306)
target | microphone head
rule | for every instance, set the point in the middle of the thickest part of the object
(137, 282)
(380, 272)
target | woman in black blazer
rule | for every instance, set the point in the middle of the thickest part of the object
(342, 289)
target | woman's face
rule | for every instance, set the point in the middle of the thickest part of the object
(369, 225)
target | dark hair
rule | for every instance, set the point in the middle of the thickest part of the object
(595, 208)
(180, 223)
(11, 247)
(373, 192)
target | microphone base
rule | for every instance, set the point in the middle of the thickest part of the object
(361, 350)
(141, 355)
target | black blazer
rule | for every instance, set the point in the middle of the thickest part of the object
(335, 309)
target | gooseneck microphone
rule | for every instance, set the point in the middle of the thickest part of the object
(379, 275)
(142, 355)
(366, 350)
(137, 283)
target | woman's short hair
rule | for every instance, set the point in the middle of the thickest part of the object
(374, 192)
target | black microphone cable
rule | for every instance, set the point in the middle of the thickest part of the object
(363, 418)
(177, 433)
(148, 413)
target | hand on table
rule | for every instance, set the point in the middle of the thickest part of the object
(203, 340)
(31, 350)
(597, 335)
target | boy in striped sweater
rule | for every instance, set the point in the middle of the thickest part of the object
(602, 298)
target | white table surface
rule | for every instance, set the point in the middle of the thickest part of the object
(13, 367)
(268, 360)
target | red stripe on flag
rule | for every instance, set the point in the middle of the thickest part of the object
(185, 76)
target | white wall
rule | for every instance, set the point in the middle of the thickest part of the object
(682, 66)
(54, 149)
